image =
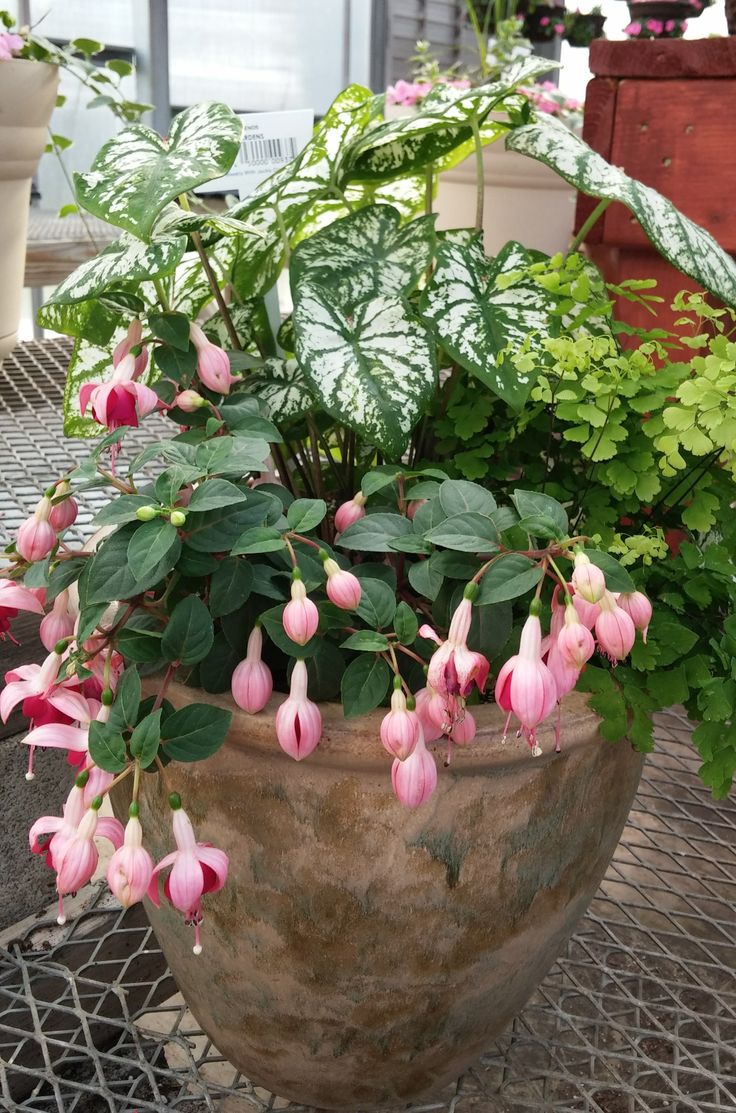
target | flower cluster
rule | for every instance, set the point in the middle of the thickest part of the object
(408, 94)
(547, 98)
(656, 29)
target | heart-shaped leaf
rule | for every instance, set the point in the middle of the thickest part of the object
(283, 388)
(126, 259)
(375, 370)
(685, 244)
(482, 324)
(137, 173)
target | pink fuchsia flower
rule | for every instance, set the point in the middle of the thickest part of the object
(343, 588)
(130, 870)
(64, 513)
(453, 668)
(614, 629)
(638, 608)
(564, 674)
(36, 537)
(301, 617)
(27, 681)
(252, 683)
(633, 29)
(61, 734)
(558, 28)
(121, 400)
(415, 779)
(401, 727)
(213, 364)
(587, 578)
(58, 623)
(587, 612)
(669, 26)
(404, 93)
(544, 21)
(13, 598)
(298, 719)
(76, 859)
(655, 26)
(430, 707)
(350, 512)
(525, 686)
(128, 344)
(196, 868)
(189, 401)
(575, 641)
(8, 44)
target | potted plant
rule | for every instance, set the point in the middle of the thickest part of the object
(581, 28)
(661, 19)
(29, 78)
(441, 481)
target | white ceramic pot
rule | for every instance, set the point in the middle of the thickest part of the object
(27, 98)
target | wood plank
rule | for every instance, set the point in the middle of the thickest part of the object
(656, 58)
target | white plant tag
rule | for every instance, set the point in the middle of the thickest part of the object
(270, 140)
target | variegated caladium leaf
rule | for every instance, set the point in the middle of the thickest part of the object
(126, 259)
(89, 319)
(443, 123)
(282, 386)
(374, 369)
(188, 289)
(137, 173)
(365, 255)
(241, 315)
(685, 244)
(481, 323)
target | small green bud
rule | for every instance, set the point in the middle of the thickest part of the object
(397, 683)
(296, 573)
(323, 555)
(177, 518)
(82, 779)
(60, 646)
(411, 703)
(133, 810)
(49, 492)
(107, 697)
(146, 513)
(535, 608)
(471, 591)
(96, 804)
(174, 801)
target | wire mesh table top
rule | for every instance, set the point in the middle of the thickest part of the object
(637, 1016)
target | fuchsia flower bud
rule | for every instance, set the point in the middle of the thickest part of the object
(614, 629)
(525, 686)
(132, 340)
(575, 641)
(298, 720)
(350, 512)
(58, 624)
(463, 729)
(196, 868)
(401, 727)
(301, 617)
(36, 537)
(415, 779)
(587, 579)
(638, 608)
(252, 682)
(587, 612)
(413, 506)
(130, 869)
(213, 364)
(343, 588)
(431, 712)
(63, 514)
(189, 401)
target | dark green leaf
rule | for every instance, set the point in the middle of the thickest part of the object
(258, 539)
(534, 504)
(366, 641)
(374, 533)
(364, 685)
(425, 579)
(195, 732)
(213, 494)
(230, 586)
(144, 741)
(189, 633)
(617, 578)
(510, 576)
(172, 328)
(405, 623)
(458, 496)
(107, 747)
(154, 544)
(377, 604)
(143, 646)
(304, 515)
(467, 533)
(124, 711)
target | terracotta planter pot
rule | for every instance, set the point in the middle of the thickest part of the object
(27, 98)
(362, 954)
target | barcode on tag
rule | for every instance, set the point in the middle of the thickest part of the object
(256, 151)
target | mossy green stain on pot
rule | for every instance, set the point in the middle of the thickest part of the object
(362, 954)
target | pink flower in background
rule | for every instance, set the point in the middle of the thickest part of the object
(655, 26)
(301, 617)
(350, 512)
(132, 340)
(8, 44)
(298, 719)
(13, 598)
(544, 21)
(252, 683)
(525, 686)
(121, 400)
(58, 623)
(213, 364)
(415, 779)
(196, 868)
(36, 537)
(614, 629)
(400, 727)
(639, 610)
(63, 514)
(76, 859)
(189, 401)
(633, 29)
(558, 28)
(130, 870)
(587, 579)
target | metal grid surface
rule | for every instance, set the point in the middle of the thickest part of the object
(638, 1014)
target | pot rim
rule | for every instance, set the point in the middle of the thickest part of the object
(356, 743)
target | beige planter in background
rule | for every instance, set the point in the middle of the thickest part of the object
(27, 98)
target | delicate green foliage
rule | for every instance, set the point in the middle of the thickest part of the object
(189, 634)
(364, 685)
(195, 732)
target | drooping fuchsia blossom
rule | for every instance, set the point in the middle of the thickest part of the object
(453, 668)
(298, 719)
(565, 675)
(127, 344)
(463, 730)
(343, 588)
(196, 868)
(430, 708)
(638, 608)
(525, 686)
(121, 400)
(575, 641)
(415, 779)
(189, 401)
(252, 683)
(587, 612)
(13, 598)
(58, 623)
(301, 617)
(8, 44)
(213, 364)
(78, 709)
(36, 537)
(614, 629)
(27, 681)
(130, 870)
(63, 514)
(401, 726)
(587, 578)
(350, 512)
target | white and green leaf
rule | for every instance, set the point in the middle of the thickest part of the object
(685, 244)
(125, 260)
(283, 388)
(482, 324)
(137, 173)
(374, 370)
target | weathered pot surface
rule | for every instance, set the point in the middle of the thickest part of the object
(362, 954)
